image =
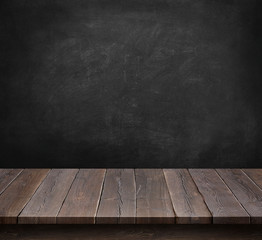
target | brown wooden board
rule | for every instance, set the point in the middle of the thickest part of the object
(142, 196)
(47, 201)
(188, 203)
(247, 193)
(153, 201)
(223, 205)
(7, 176)
(118, 199)
(255, 175)
(18, 193)
(81, 203)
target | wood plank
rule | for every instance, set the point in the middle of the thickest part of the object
(221, 202)
(247, 193)
(18, 193)
(188, 203)
(118, 199)
(82, 201)
(255, 175)
(7, 176)
(153, 201)
(47, 201)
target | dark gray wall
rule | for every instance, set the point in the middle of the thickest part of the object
(130, 83)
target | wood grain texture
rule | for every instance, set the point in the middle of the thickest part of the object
(188, 203)
(128, 196)
(18, 193)
(221, 202)
(81, 203)
(131, 232)
(47, 201)
(7, 176)
(255, 175)
(118, 199)
(247, 193)
(153, 201)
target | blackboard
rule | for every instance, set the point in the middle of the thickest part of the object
(130, 83)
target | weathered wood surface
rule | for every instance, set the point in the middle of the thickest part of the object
(247, 193)
(81, 204)
(223, 205)
(153, 201)
(47, 201)
(188, 203)
(7, 176)
(255, 175)
(130, 196)
(18, 193)
(118, 200)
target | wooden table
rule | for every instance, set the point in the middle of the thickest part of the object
(131, 196)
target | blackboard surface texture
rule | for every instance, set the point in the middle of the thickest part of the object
(130, 83)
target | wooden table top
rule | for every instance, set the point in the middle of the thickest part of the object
(130, 196)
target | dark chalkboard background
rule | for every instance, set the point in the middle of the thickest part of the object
(130, 83)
